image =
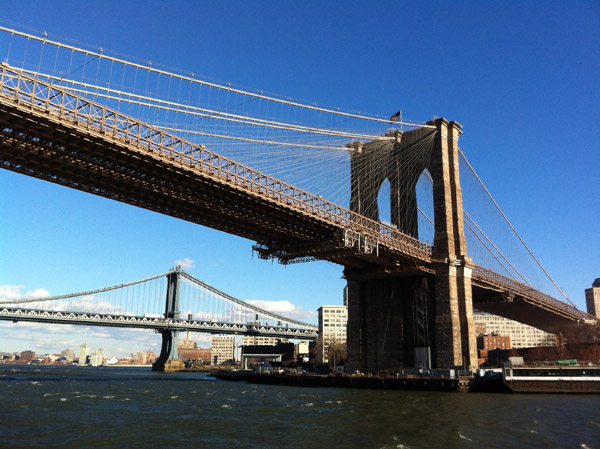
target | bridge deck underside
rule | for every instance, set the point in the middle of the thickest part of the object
(522, 310)
(47, 148)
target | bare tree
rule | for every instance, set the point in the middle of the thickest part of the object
(336, 353)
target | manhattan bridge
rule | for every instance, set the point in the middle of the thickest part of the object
(396, 203)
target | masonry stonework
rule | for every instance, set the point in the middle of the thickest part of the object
(408, 319)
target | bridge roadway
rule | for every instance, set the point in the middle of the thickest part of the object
(156, 323)
(52, 134)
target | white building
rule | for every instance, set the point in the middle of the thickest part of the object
(333, 323)
(303, 351)
(97, 357)
(222, 350)
(84, 351)
(521, 335)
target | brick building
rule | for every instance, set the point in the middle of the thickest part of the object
(521, 335)
(592, 298)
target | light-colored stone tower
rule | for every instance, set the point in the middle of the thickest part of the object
(413, 318)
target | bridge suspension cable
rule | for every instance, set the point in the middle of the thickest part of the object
(145, 303)
(156, 103)
(286, 140)
(303, 144)
(243, 304)
(471, 222)
(99, 53)
(464, 158)
(86, 293)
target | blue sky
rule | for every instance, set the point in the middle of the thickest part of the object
(522, 78)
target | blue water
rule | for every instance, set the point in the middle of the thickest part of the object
(61, 406)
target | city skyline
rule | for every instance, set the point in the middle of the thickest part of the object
(520, 85)
(91, 349)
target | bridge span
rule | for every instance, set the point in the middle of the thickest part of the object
(168, 303)
(55, 135)
(50, 132)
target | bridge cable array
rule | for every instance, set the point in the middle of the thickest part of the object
(146, 299)
(311, 147)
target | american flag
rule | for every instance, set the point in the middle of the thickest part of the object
(397, 116)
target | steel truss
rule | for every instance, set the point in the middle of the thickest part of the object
(158, 324)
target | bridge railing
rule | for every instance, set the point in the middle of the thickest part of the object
(505, 283)
(77, 110)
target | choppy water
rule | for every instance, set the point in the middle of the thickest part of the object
(134, 407)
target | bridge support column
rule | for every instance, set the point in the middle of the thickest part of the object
(455, 329)
(169, 357)
(388, 321)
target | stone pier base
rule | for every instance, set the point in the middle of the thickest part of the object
(388, 322)
(169, 366)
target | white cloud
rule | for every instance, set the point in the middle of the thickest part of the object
(273, 306)
(38, 293)
(13, 292)
(100, 334)
(185, 263)
(9, 292)
(284, 308)
(202, 339)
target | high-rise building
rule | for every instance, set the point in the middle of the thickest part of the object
(222, 350)
(84, 351)
(592, 298)
(521, 335)
(97, 357)
(333, 323)
(68, 354)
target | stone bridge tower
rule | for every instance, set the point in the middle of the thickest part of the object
(408, 317)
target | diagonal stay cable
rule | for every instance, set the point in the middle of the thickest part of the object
(495, 247)
(513, 228)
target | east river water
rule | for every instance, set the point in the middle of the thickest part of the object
(63, 406)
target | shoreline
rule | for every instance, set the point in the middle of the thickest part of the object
(459, 384)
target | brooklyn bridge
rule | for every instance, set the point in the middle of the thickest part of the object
(382, 197)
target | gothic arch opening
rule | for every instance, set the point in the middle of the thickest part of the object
(384, 203)
(425, 210)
